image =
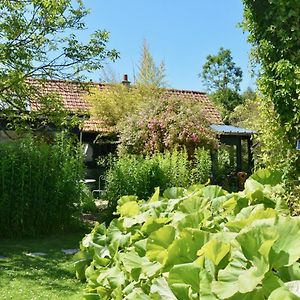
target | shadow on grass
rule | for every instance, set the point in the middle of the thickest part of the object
(54, 271)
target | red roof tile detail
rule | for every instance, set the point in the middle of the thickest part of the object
(212, 115)
(73, 97)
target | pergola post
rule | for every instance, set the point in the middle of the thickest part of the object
(250, 155)
(238, 154)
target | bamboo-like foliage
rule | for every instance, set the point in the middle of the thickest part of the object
(39, 185)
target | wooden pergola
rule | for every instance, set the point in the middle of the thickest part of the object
(232, 135)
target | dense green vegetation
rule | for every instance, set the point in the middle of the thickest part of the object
(46, 277)
(39, 185)
(201, 242)
(138, 175)
(222, 79)
(273, 28)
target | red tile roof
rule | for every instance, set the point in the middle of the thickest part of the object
(73, 96)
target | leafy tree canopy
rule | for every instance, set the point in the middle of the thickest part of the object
(222, 78)
(220, 72)
(38, 40)
(275, 36)
(273, 28)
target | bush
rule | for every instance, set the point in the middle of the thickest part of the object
(39, 185)
(167, 123)
(138, 175)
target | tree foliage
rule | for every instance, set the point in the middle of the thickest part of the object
(117, 101)
(38, 40)
(222, 78)
(275, 36)
(220, 72)
(149, 73)
(274, 33)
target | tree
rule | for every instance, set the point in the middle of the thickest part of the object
(118, 101)
(220, 72)
(273, 28)
(274, 33)
(222, 78)
(38, 40)
(149, 73)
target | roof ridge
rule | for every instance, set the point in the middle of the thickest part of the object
(68, 81)
(186, 91)
(108, 84)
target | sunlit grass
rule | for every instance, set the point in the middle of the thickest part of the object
(48, 277)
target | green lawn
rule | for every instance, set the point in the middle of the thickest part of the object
(48, 277)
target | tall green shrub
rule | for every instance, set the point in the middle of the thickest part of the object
(139, 175)
(39, 185)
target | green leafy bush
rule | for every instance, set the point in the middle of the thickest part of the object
(196, 243)
(139, 175)
(39, 185)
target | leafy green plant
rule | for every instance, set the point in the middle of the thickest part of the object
(196, 243)
(39, 185)
(276, 49)
(138, 175)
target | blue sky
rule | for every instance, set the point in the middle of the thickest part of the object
(181, 33)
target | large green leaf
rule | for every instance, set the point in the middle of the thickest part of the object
(193, 204)
(286, 249)
(205, 286)
(184, 249)
(228, 283)
(213, 191)
(114, 233)
(160, 290)
(193, 220)
(283, 293)
(155, 196)
(215, 250)
(289, 273)
(257, 241)
(294, 287)
(254, 190)
(174, 193)
(184, 280)
(158, 243)
(153, 224)
(129, 209)
(265, 176)
(82, 260)
(138, 266)
(258, 213)
(257, 294)
(137, 294)
(112, 277)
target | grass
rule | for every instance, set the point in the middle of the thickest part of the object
(33, 278)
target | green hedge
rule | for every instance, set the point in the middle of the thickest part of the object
(139, 175)
(39, 185)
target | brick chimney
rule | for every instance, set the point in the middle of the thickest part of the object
(125, 80)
